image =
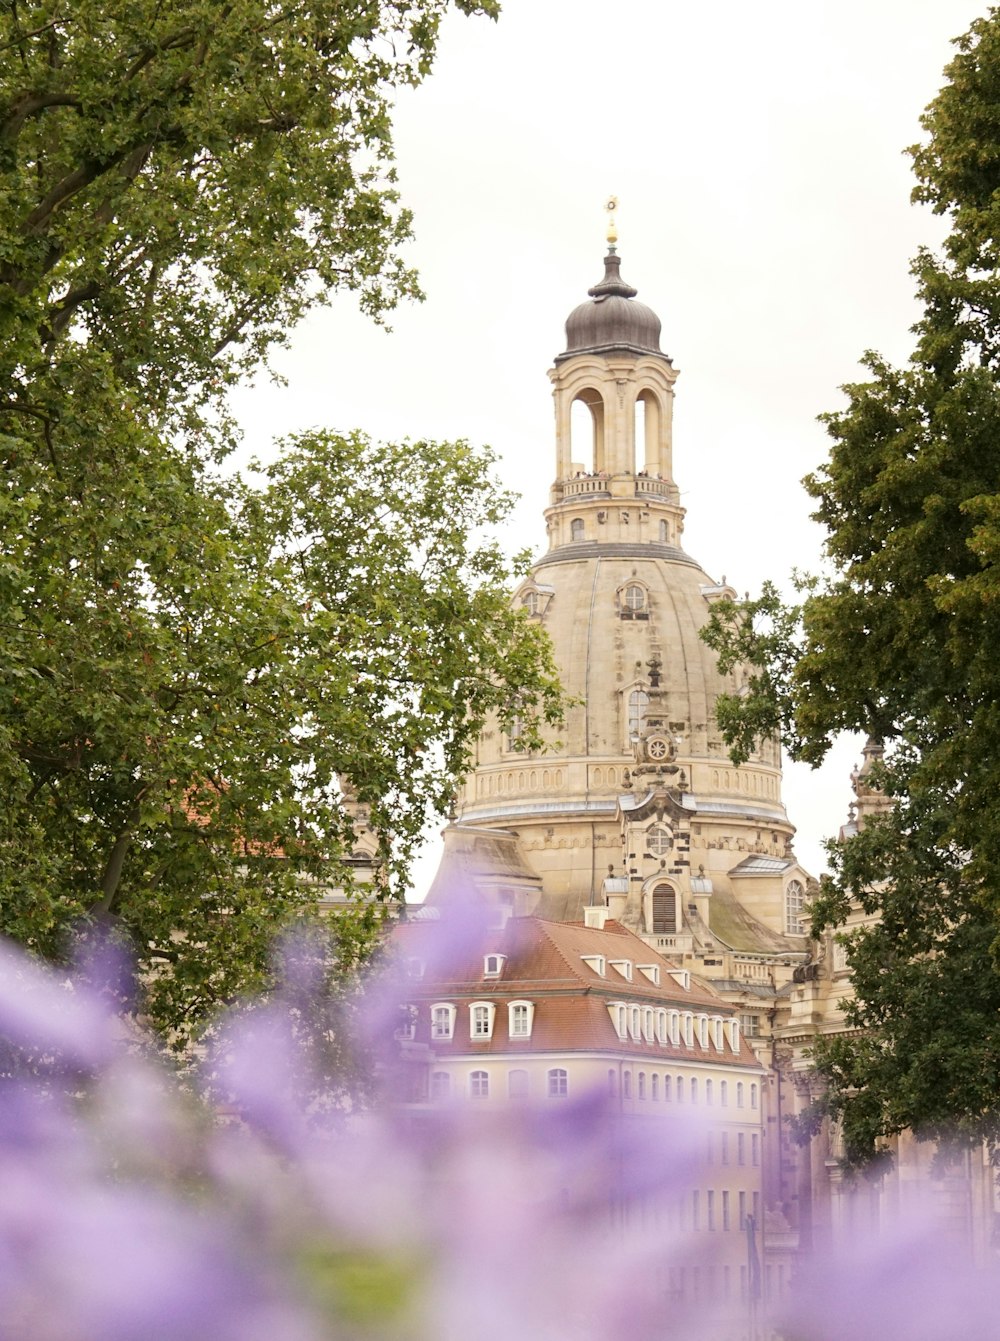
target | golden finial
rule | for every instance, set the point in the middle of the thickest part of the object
(611, 204)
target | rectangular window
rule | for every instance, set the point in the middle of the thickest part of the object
(743, 1211)
(440, 1085)
(442, 1019)
(725, 1210)
(741, 1148)
(520, 1021)
(695, 1218)
(754, 1149)
(725, 1147)
(750, 1025)
(710, 1209)
(480, 1021)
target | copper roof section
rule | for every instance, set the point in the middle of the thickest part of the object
(612, 321)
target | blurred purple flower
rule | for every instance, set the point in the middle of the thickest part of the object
(50, 1021)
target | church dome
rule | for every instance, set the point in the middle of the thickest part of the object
(612, 319)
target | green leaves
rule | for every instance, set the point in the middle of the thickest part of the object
(203, 681)
(900, 643)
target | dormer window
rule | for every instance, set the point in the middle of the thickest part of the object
(675, 1027)
(661, 1026)
(688, 1029)
(650, 971)
(407, 1027)
(734, 1035)
(493, 965)
(596, 962)
(481, 1020)
(531, 603)
(520, 1015)
(635, 1023)
(442, 1021)
(622, 966)
(647, 1024)
(718, 1025)
(703, 1031)
(619, 1018)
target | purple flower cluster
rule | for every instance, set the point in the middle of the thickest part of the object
(132, 1208)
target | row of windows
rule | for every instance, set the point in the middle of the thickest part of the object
(718, 1209)
(656, 1024)
(713, 1282)
(482, 1014)
(518, 1084)
(578, 531)
(675, 1088)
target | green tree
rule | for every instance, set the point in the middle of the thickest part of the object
(195, 666)
(901, 644)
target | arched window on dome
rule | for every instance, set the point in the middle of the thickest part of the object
(531, 602)
(633, 597)
(647, 434)
(794, 909)
(664, 533)
(638, 706)
(576, 529)
(664, 908)
(587, 431)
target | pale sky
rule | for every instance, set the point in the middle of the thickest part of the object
(757, 152)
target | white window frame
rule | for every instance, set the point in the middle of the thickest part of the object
(648, 1025)
(650, 971)
(514, 1009)
(441, 1091)
(795, 896)
(688, 1029)
(734, 1035)
(619, 1018)
(493, 965)
(623, 967)
(442, 1030)
(703, 1031)
(675, 1027)
(596, 962)
(479, 1084)
(635, 1023)
(661, 1026)
(719, 1032)
(485, 1034)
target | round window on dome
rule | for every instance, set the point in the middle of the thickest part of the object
(659, 840)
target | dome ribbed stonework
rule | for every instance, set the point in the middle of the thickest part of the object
(612, 320)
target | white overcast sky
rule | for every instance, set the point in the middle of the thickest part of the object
(757, 151)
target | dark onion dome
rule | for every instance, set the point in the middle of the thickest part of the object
(612, 320)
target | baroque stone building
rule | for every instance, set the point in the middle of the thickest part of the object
(637, 810)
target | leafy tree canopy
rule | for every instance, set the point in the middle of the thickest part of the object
(901, 644)
(195, 666)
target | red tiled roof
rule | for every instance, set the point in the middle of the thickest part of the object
(544, 965)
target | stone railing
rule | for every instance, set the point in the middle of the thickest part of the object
(587, 484)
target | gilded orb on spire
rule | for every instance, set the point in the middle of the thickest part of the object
(611, 205)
